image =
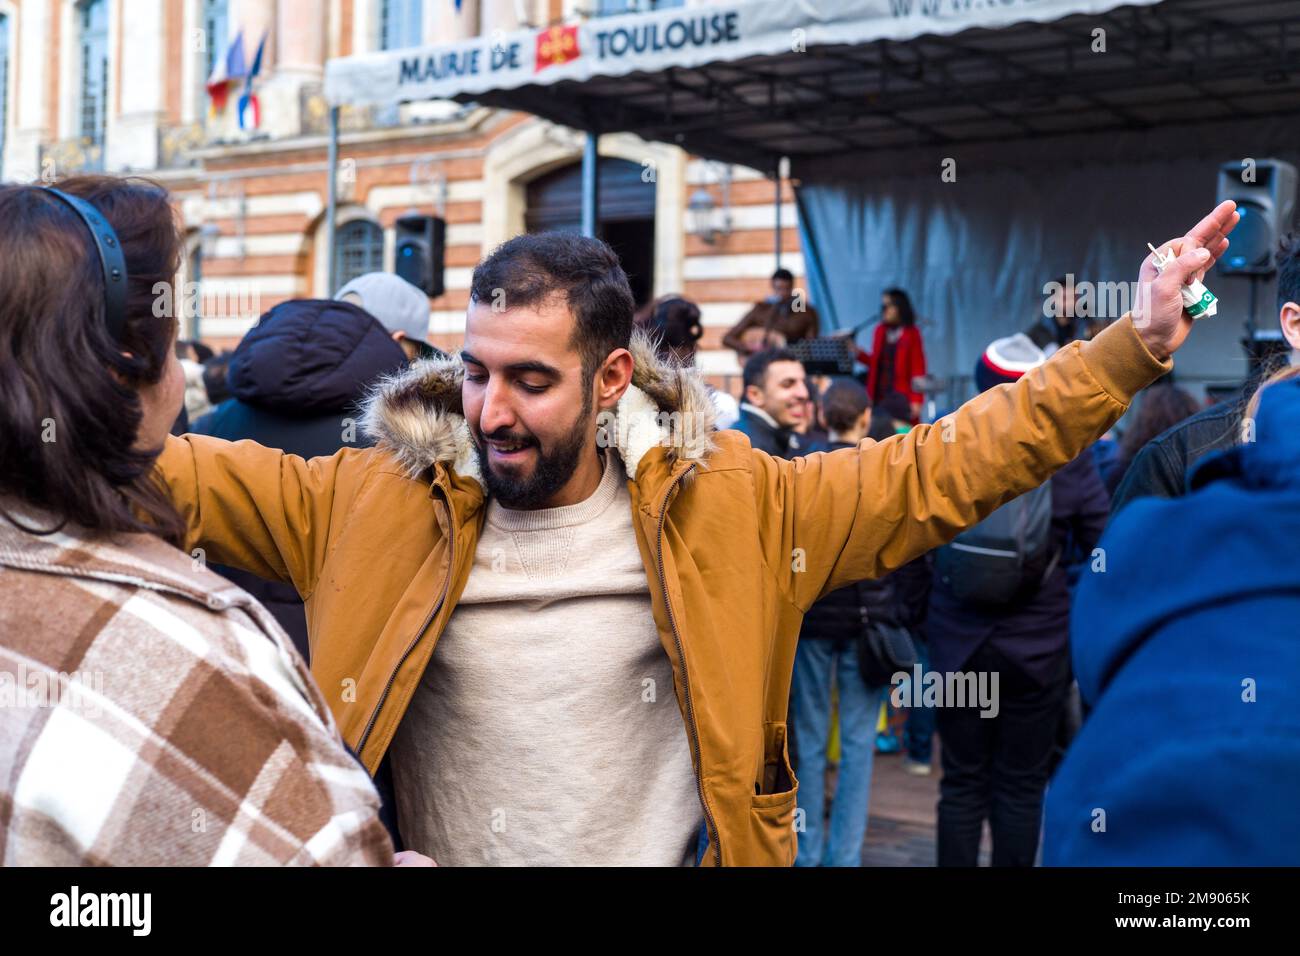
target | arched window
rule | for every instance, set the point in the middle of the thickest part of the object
(92, 37)
(359, 248)
(400, 23)
(4, 85)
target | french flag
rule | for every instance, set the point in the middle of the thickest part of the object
(226, 70)
(250, 108)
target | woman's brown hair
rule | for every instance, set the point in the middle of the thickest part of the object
(1162, 406)
(69, 406)
(1280, 374)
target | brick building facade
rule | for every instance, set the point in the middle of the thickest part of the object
(119, 85)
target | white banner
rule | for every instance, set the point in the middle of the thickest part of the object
(680, 37)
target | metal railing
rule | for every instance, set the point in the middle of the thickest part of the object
(63, 157)
(352, 119)
(176, 145)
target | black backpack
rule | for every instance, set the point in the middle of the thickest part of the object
(885, 649)
(1005, 555)
(885, 644)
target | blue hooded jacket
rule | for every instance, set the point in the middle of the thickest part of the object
(1187, 648)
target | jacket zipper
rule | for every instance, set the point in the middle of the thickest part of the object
(677, 639)
(686, 683)
(446, 586)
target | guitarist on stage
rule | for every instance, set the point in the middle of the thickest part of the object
(779, 320)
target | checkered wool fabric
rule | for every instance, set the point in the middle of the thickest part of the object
(152, 713)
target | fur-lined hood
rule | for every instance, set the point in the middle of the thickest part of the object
(416, 415)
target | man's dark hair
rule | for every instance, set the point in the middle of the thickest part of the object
(843, 403)
(193, 349)
(785, 274)
(882, 424)
(528, 269)
(1288, 269)
(1065, 282)
(896, 405)
(756, 366)
(215, 381)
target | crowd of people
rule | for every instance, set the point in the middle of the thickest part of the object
(655, 605)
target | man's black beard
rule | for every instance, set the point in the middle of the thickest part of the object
(553, 469)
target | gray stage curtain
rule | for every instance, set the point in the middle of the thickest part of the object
(975, 254)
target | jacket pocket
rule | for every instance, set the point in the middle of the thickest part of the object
(772, 807)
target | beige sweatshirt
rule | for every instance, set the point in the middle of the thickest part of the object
(545, 730)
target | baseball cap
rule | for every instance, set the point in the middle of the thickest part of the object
(398, 305)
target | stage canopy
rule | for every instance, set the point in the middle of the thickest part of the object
(751, 82)
(1078, 130)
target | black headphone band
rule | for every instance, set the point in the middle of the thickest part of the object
(111, 260)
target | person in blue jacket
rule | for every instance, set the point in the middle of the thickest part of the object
(1187, 648)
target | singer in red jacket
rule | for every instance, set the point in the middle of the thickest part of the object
(897, 353)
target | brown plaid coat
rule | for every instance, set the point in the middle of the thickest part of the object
(152, 713)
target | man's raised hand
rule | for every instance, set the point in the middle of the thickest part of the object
(1158, 313)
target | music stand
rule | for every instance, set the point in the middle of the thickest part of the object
(827, 355)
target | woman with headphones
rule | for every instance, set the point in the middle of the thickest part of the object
(150, 712)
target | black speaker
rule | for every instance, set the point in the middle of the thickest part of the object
(1264, 191)
(421, 245)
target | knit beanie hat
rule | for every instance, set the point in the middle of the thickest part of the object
(1005, 360)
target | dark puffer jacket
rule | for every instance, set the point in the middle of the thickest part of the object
(298, 375)
(843, 614)
(297, 378)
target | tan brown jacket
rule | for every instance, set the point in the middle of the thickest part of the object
(736, 544)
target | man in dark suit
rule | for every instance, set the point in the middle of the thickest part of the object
(775, 402)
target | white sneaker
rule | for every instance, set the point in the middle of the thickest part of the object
(915, 767)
